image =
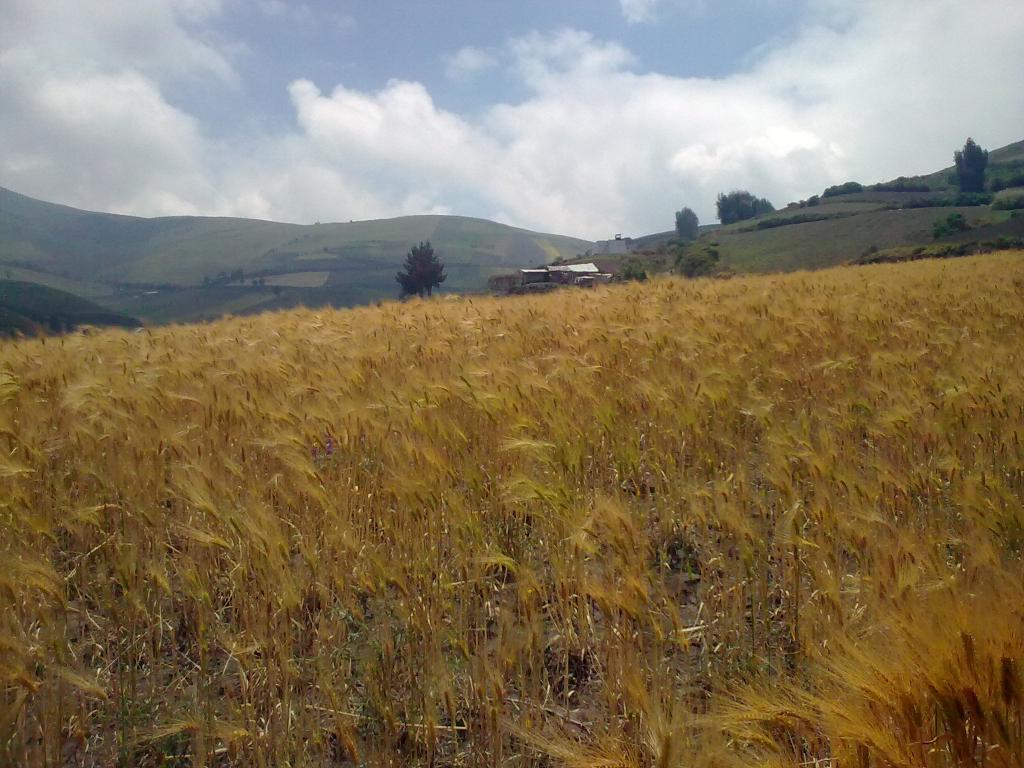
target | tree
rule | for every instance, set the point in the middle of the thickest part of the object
(422, 272)
(687, 225)
(739, 205)
(970, 167)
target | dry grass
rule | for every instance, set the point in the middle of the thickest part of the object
(767, 520)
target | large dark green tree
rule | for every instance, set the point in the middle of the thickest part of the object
(970, 167)
(739, 205)
(422, 272)
(687, 224)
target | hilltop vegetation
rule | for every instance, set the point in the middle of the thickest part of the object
(853, 222)
(1004, 166)
(770, 520)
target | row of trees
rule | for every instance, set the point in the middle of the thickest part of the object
(739, 205)
(732, 207)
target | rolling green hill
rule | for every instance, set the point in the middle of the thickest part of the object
(30, 308)
(835, 241)
(201, 267)
(897, 217)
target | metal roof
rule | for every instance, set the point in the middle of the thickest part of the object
(588, 268)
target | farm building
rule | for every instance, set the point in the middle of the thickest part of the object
(589, 281)
(527, 276)
(617, 247)
(503, 283)
(569, 273)
(565, 274)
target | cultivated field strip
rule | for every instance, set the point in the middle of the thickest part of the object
(767, 520)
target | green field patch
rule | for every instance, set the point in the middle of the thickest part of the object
(33, 308)
(830, 242)
(82, 288)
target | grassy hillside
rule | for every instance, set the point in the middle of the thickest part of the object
(83, 250)
(31, 308)
(840, 229)
(831, 241)
(834, 234)
(769, 520)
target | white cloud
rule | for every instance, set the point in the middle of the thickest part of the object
(397, 128)
(106, 140)
(867, 90)
(646, 11)
(158, 38)
(638, 11)
(566, 59)
(467, 62)
(93, 128)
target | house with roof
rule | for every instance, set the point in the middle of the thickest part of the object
(565, 274)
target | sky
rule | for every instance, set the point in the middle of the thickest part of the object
(579, 117)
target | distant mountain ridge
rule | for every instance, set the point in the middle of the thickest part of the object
(108, 256)
(188, 268)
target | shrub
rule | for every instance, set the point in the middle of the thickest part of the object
(634, 270)
(914, 253)
(1009, 200)
(972, 198)
(1006, 182)
(902, 184)
(697, 262)
(784, 221)
(927, 202)
(1003, 243)
(962, 200)
(849, 188)
(952, 224)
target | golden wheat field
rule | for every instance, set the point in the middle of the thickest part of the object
(765, 521)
